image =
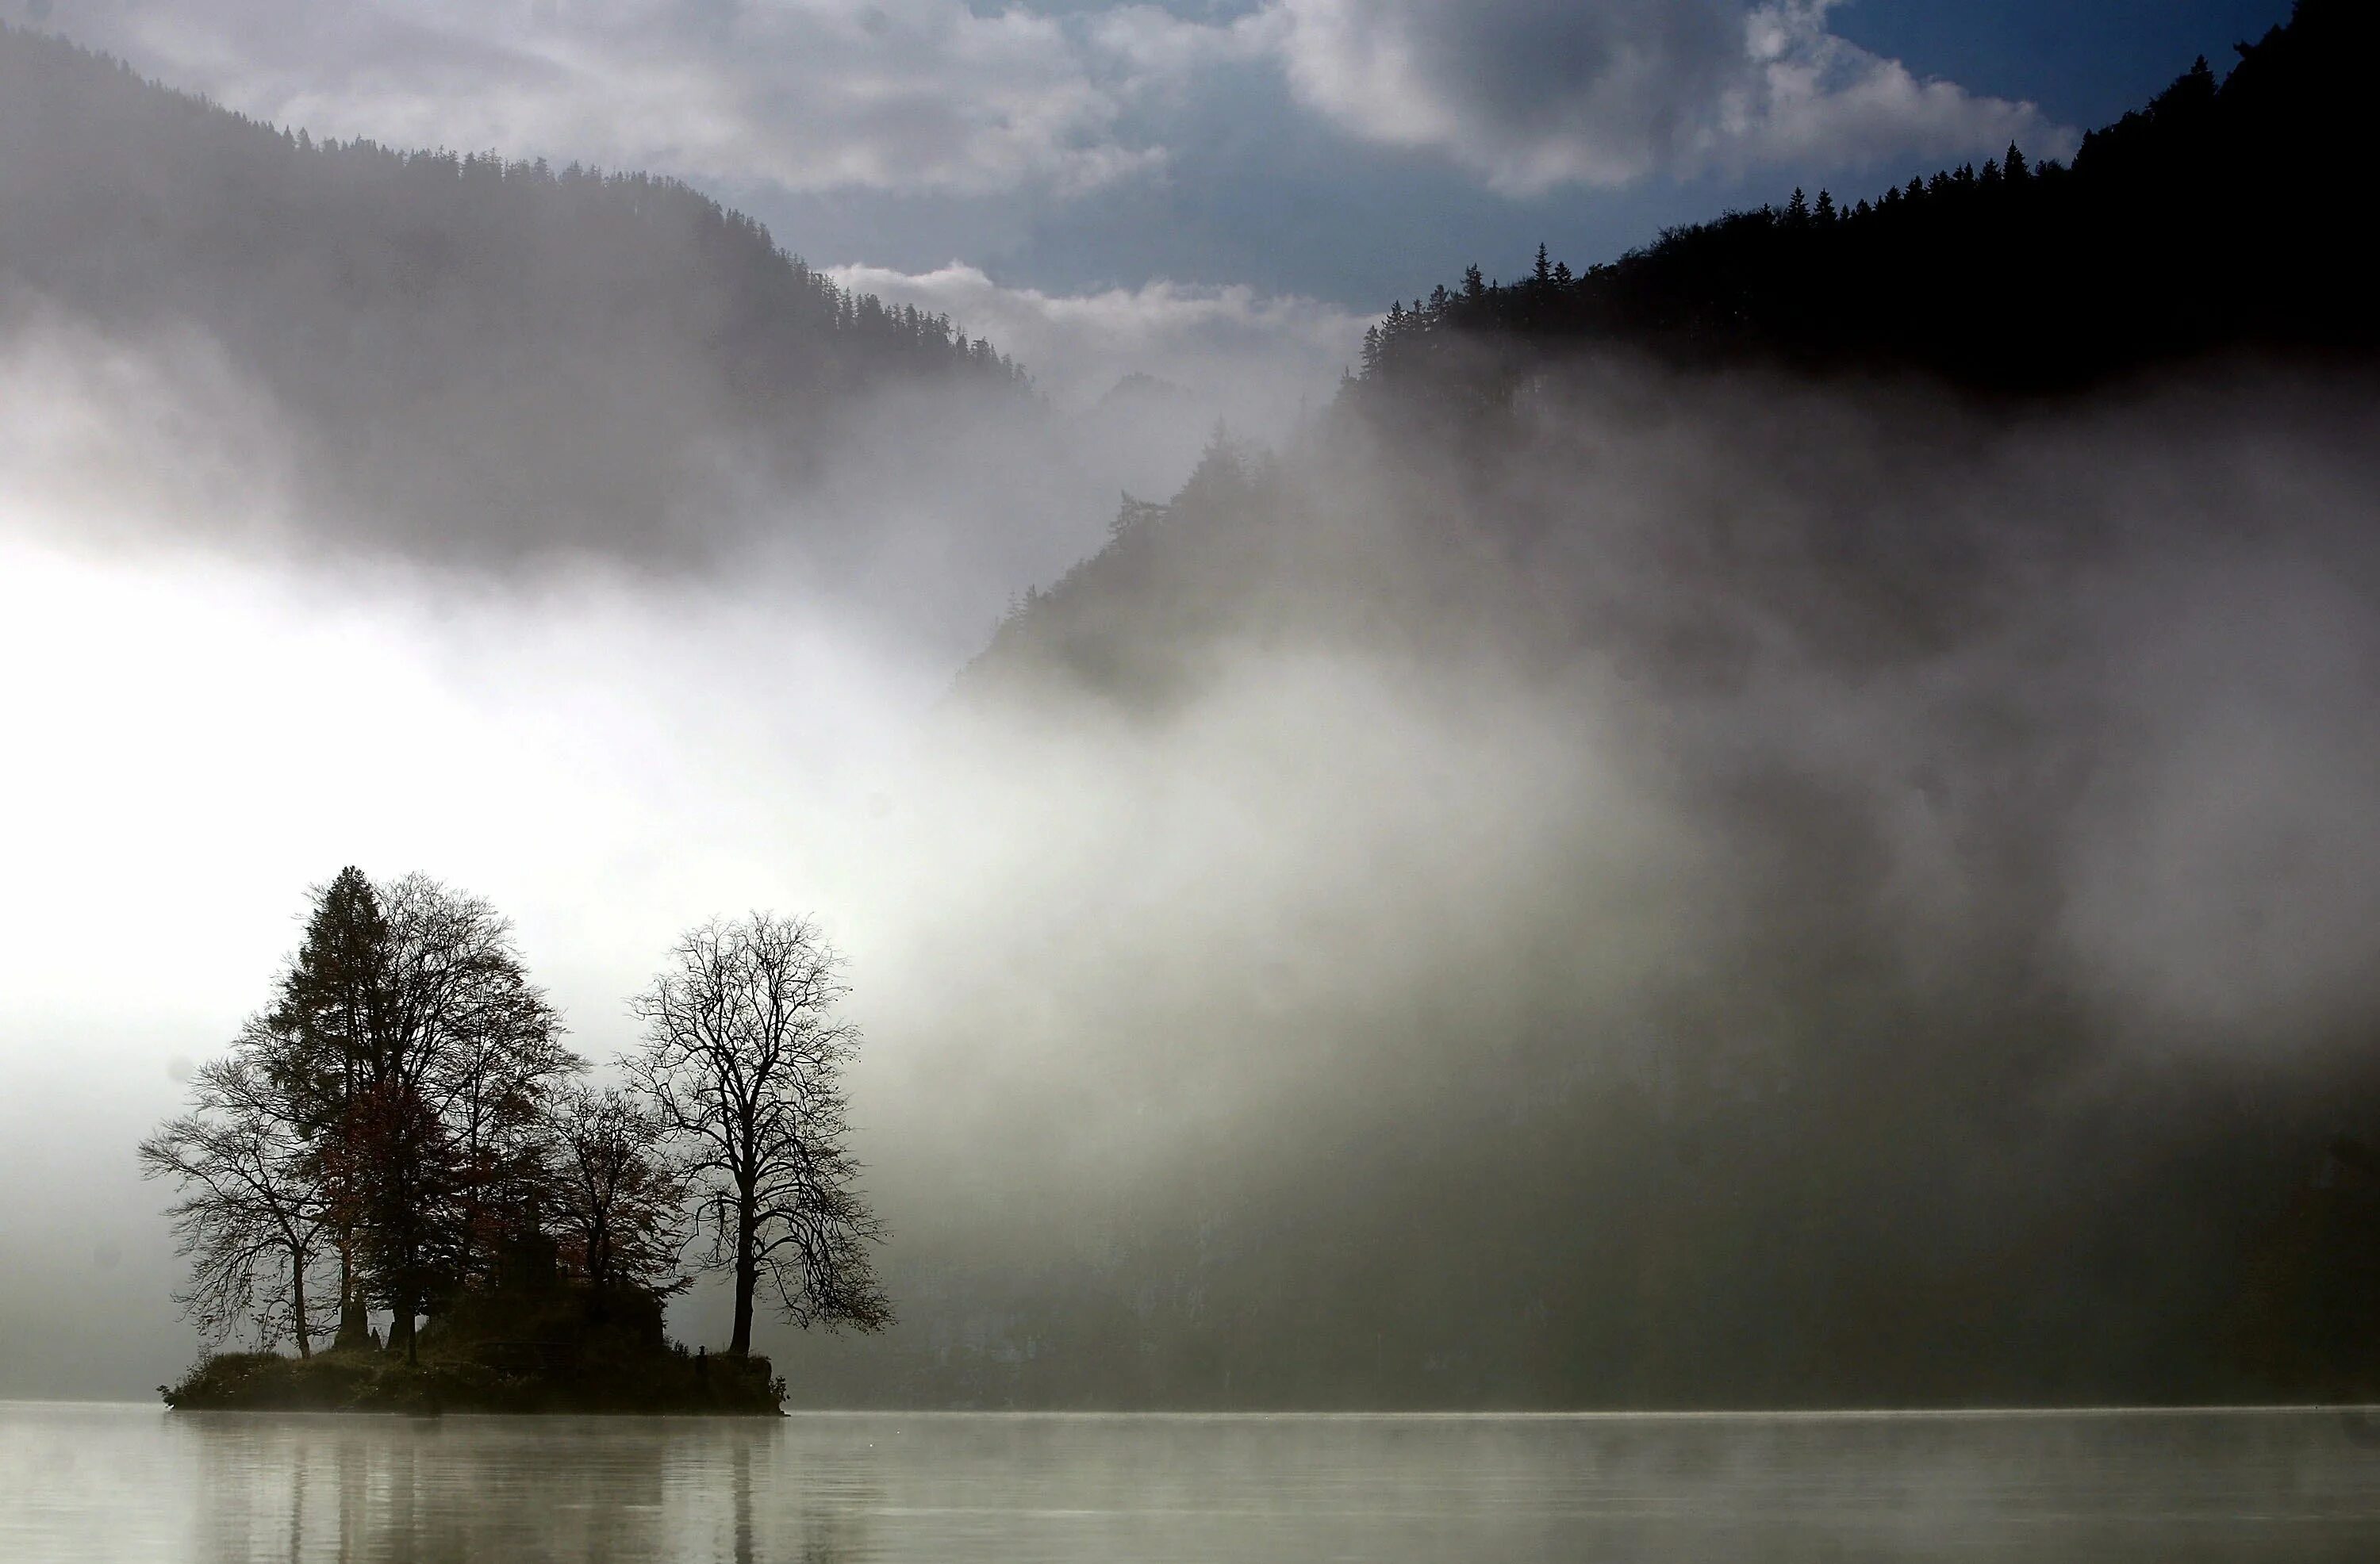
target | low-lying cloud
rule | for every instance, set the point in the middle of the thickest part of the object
(1762, 780)
(1250, 358)
(931, 507)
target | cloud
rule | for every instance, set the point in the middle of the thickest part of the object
(1537, 93)
(1168, 48)
(919, 95)
(100, 437)
(945, 98)
(1253, 355)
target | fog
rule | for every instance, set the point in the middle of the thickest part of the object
(224, 692)
(1601, 916)
(1654, 890)
(1729, 893)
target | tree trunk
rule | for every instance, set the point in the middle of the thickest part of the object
(400, 1325)
(355, 1316)
(355, 1322)
(298, 1304)
(748, 1276)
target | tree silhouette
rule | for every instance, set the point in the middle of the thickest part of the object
(619, 1202)
(743, 1060)
(252, 1214)
(315, 1041)
(399, 1080)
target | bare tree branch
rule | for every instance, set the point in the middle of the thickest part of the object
(253, 1213)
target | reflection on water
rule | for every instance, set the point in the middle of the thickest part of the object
(80, 1482)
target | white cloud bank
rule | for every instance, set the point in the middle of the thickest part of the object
(942, 97)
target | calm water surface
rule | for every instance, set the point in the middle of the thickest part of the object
(88, 1482)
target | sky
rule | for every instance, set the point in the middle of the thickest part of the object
(1192, 170)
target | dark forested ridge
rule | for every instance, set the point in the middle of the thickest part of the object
(2224, 216)
(449, 336)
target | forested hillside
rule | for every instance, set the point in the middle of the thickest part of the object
(2211, 228)
(1741, 885)
(451, 339)
(2224, 216)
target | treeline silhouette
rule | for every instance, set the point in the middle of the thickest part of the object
(2222, 217)
(538, 350)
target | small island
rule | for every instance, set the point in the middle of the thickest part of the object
(401, 1134)
(537, 1343)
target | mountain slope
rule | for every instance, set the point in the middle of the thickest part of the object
(492, 350)
(1709, 884)
(2220, 218)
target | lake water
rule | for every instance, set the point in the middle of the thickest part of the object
(95, 1482)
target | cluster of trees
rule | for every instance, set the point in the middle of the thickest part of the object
(2213, 219)
(401, 1126)
(446, 334)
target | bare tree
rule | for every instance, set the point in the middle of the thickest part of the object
(619, 1202)
(253, 1215)
(742, 1063)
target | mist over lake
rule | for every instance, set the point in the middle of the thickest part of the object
(856, 1488)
